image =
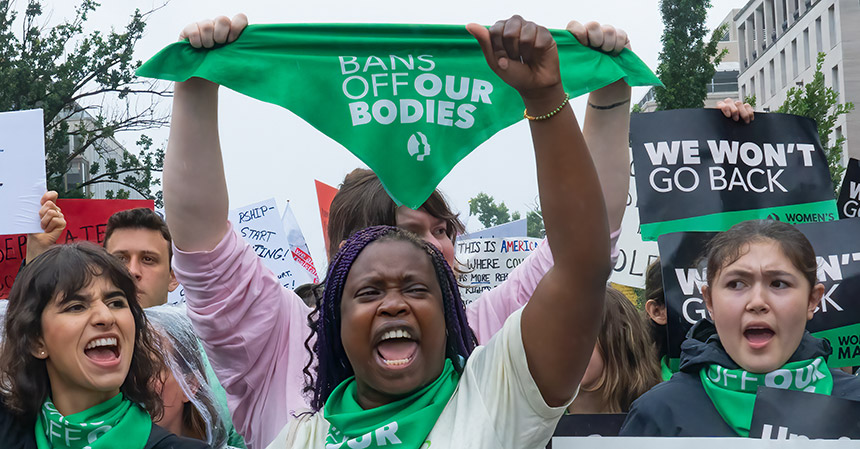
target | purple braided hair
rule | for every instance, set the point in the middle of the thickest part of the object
(328, 359)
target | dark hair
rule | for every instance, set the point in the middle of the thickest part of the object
(729, 246)
(140, 218)
(629, 368)
(328, 358)
(64, 270)
(362, 201)
(654, 290)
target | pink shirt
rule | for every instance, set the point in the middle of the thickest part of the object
(254, 330)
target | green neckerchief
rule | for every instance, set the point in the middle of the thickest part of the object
(733, 390)
(114, 423)
(406, 422)
(665, 372)
(410, 101)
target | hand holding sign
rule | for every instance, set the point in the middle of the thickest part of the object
(208, 33)
(53, 224)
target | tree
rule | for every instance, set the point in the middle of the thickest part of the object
(820, 103)
(490, 213)
(687, 63)
(84, 82)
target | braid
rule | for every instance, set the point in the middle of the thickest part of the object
(327, 354)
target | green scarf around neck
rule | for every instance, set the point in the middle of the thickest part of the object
(115, 423)
(665, 372)
(733, 390)
(410, 101)
(406, 422)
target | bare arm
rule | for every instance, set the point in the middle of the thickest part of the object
(195, 190)
(560, 323)
(607, 122)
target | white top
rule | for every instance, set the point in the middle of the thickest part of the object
(496, 405)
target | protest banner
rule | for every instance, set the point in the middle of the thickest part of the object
(22, 170)
(299, 247)
(260, 225)
(325, 195)
(585, 425)
(848, 202)
(684, 274)
(516, 228)
(85, 220)
(425, 91)
(837, 318)
(487, 262)
(634, 254)
(787, 414)
(699, 171)
(837, 250)
(698, 443)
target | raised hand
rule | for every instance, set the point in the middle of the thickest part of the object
(736, 110)
(604, 37)
(524, 55)
(53, 224)
(220, 30)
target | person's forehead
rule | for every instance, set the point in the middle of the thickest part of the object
(762, 256)
(392, 258)
(406, 215)
(137, 240)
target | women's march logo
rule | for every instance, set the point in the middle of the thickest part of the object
(418, 145)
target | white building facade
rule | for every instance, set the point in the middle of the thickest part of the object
(778, 43)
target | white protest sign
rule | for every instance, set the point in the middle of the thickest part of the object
(22, 171)
(634, 254)
(488, 261)
(299, 247)
(516, 228)
(793, 442)
(261, 226)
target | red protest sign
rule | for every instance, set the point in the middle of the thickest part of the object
(325, 194)
(85, 220)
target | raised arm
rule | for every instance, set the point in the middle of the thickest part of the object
(53, 224)
(195, 190)
(607, 122)
(560, 323)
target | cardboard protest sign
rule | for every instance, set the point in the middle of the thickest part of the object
(684, 274)
(787, 414)
(260, 225)
(299, 247)
(849, 195)
(837, 249)
(410, 101)
(634, 254)
(699, 171)
(22, 170)
(516, 228)
(325, 195)
(85, 220)
(838, 256)
(489, 261)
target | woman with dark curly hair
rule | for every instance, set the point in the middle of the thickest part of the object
(78, 356)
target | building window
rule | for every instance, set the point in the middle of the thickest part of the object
(76, 175)
(831, 23)
(772, 80)
(752, 92)
(834, 80)
(819, 44)
(782, 75)
(794, 57)
(806, 61)
(762, 84)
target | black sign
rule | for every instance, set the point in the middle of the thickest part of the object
(849, 197)
(603, 424)
(697, 163)
(787, 414)
(683, 266)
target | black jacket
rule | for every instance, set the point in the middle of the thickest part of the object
(681, 408)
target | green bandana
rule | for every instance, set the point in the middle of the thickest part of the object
(114, 423)
(410, 101)
(665, 372)
(406, 422)
(733, 390)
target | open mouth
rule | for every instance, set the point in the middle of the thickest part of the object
(397, 348)
(103, 350)
(758, 336)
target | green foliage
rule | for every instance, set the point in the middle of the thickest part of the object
(490, 213)
(72, 74)
(820, 103)
(687, 62)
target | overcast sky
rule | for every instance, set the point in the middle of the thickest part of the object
(269, 152)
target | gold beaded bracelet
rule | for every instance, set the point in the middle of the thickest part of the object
(550, 114)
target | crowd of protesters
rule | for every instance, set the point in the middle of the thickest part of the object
(387, 353)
